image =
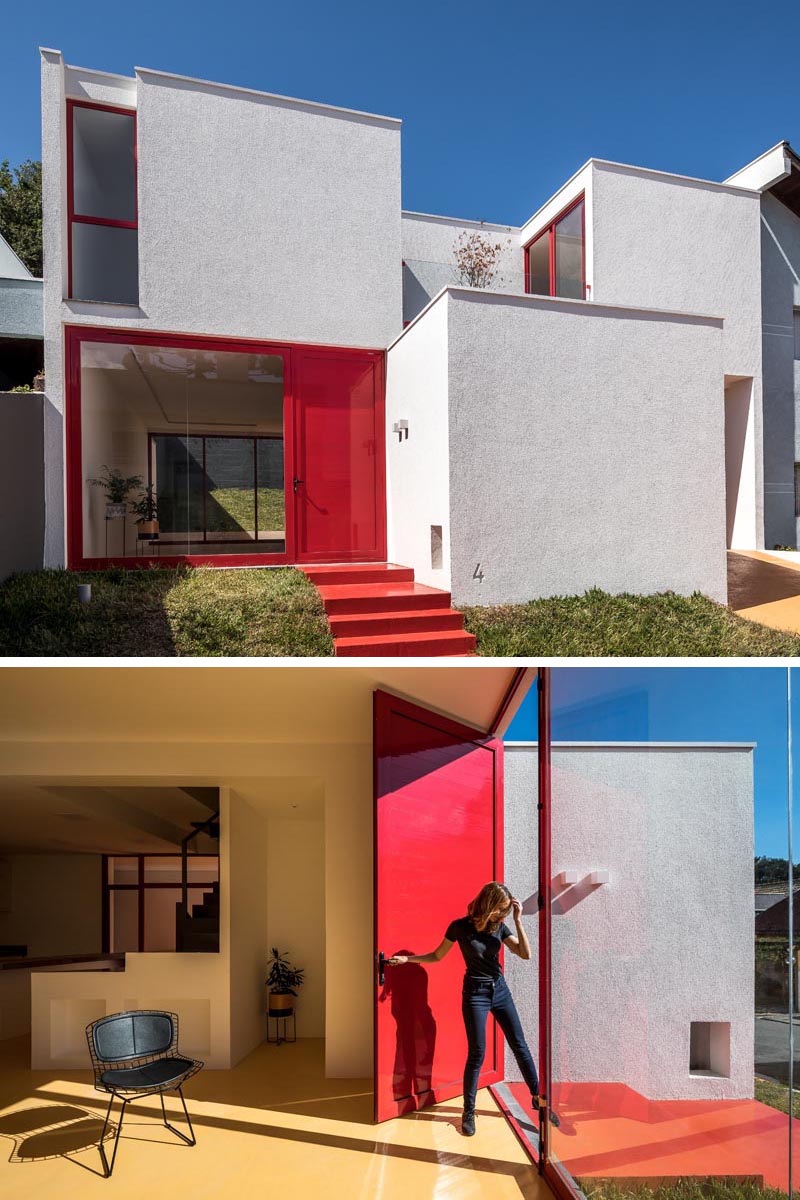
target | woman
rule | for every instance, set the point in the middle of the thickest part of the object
(480, 934)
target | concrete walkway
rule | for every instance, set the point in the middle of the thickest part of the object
(764, 589)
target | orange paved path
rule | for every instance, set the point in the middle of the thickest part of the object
(608, 1129)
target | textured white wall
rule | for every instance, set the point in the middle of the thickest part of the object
(586, 450)
(428, 254)
(669, 940)
(11, 267)
(417, 475)
(780, 283)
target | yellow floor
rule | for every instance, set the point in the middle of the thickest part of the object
(273, 1126)
(764, 589)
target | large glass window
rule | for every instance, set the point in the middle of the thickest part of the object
(102, 204)
(554, 261)
(196, 438)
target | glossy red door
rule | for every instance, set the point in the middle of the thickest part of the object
(438, 839)
(339, 474)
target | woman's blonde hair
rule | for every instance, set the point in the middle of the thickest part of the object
(491, 896)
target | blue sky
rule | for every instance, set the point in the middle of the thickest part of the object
(500, 103)
(718, 704)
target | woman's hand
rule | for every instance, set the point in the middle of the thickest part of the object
(516, 909)
(397, 960)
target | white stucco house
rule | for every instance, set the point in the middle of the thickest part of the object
(240, 315)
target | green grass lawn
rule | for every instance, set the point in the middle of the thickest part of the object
(681, 1189)
(186, 611)
(776, 1095)
(599, 624)
(237, 509)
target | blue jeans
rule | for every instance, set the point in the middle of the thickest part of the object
(479, 997)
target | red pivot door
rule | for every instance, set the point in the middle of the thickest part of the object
(338, 483)
(438, 839)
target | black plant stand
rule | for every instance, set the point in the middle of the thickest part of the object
(280, 1033)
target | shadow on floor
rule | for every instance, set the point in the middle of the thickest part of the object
(43, 1131)
(752, 582)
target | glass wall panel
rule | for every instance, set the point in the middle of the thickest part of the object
(195, 437)
(669, 981)
(103, 164)
(539, 266)
(569, 254)
(105, 263)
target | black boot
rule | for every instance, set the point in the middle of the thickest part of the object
(468, 1122)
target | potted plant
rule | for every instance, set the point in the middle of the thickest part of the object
(283, 981)
(117, 488)
(145, 509)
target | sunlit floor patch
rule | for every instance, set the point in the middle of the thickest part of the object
(273, 1124)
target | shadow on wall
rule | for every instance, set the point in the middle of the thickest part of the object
(21, 482)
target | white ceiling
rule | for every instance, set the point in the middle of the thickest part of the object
(270, 704)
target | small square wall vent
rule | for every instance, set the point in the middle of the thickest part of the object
(710, 1048)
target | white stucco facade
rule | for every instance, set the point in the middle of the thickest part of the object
(668, 941)
(572, 427)
(621, 441)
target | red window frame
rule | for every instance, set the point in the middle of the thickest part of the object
(81, 219)
(549, 231)
(74, 335)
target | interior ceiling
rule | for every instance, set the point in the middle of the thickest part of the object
(98, 820)
(199, 387)
(315, 704)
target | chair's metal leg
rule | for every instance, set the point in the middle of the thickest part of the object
(190, 1141)
(106, 1167)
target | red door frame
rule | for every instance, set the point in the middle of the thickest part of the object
(549, 231)
(383, 704)
(74, 335)
(81, 218)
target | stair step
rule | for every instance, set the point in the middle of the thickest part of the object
(359, 573)
(407, 645)
(423, 620)
(373, 598)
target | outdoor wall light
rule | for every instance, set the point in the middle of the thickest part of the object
(401, 429)
(567, 878)
(598, 877)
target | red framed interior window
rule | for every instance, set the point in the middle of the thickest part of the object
(555, 261)
(102, 209)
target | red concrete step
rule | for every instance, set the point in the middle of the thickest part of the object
(407, 645)
(381, 597)
(357, 573)
(423, 620)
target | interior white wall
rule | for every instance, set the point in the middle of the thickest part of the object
(417, 472)
(56, 904)
(296, 906)
(245, 915)
(740, 465)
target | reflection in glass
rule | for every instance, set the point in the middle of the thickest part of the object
(539, 266)
(203, 430)
(569, 254)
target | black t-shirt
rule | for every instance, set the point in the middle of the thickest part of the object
(480, 949)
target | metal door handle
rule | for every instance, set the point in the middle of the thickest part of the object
(381, 966)
(296, 481)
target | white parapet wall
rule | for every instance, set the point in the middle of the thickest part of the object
(667, 943)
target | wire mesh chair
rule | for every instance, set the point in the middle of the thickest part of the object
(136, 1054)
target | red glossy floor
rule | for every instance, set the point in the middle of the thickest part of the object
(607, 1129)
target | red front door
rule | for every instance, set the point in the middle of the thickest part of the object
(339, 481)
(438, 839)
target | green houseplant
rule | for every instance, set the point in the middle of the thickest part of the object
(117, 488)
(283, 981)
(145, 510)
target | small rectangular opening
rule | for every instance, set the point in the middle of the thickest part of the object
(710, 1048)
(436, 547)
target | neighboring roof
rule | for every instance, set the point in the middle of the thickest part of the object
(11, 266)
(776, 918)
(776, 171)
(765, 900)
